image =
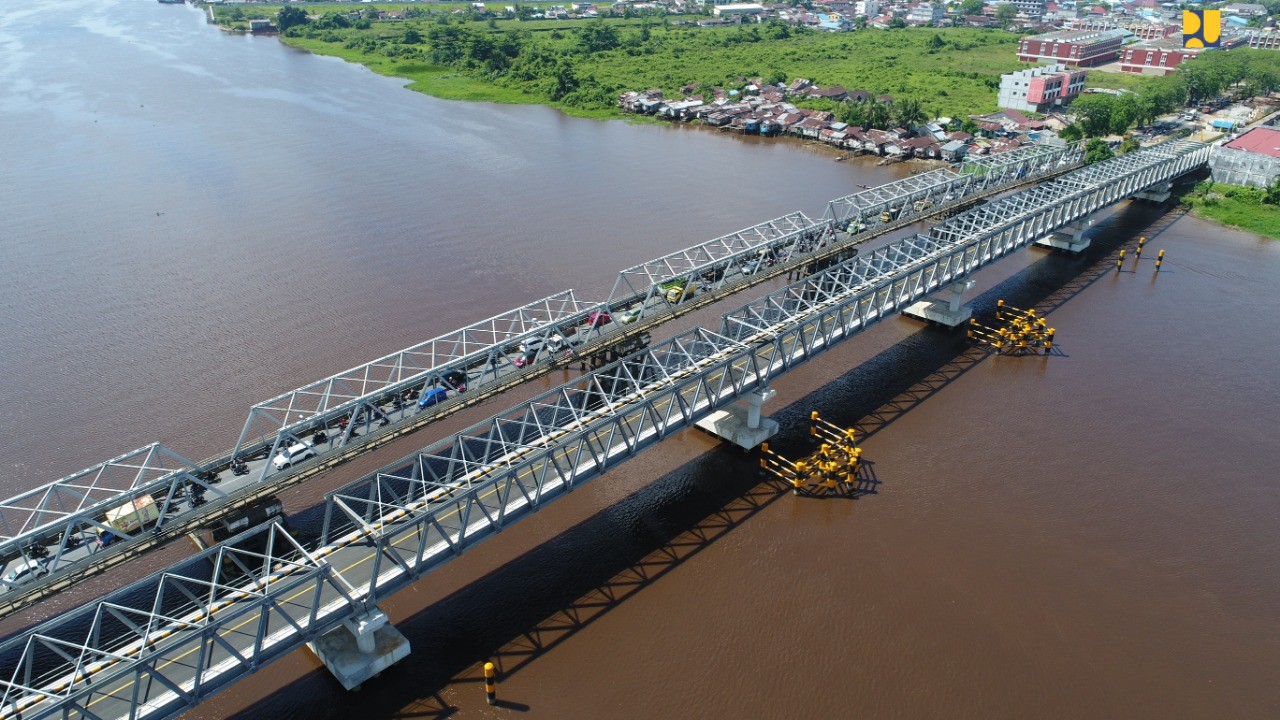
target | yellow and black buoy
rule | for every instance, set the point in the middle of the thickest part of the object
(1159, 260)
(490, 684)
(1120, 260)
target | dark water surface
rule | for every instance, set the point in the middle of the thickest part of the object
(1091, 535)
(193, 222)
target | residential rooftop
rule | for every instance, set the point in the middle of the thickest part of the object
(1263, 140)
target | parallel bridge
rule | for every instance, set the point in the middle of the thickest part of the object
(57, 524)
(167, 642)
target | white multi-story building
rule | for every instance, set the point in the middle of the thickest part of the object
(1041, 88)
(1031, 8)
(866, 8)
(924, 13)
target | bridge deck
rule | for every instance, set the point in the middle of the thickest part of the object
(363, 405)
(160, 646)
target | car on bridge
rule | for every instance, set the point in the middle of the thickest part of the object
(292, 455)
(677, 290)
(432, 396)
(24, 572)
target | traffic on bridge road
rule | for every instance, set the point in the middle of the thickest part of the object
(167, 642)
(82, 523)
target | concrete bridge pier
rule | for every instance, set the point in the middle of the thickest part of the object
(1070, 238)
(944, 312)
(361, 648)
(741, 423)
(1157, 193)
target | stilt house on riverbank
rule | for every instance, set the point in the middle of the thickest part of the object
(765, 110)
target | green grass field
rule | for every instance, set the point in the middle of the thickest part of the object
(1235, 206)
(436, 80)
(958, 79)
(1116, 81)
(950, 71)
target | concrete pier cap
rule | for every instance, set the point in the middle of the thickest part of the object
(741, 423)
(361, 648)
(1070, 238)
(948, 311)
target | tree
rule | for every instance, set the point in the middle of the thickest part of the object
(1124, 111)
(332, 20)
(1097, 150)
(907, 112)
(935, 43)
(1005, 13)
(969, 126)
(1272, 196)
(1094, 113)
(597, 37)
(291, 16)
(1129, 144)
(1071, 133)
(564, 81)
(972, 7)
(878, 115)
(897, 22)
(412, 37)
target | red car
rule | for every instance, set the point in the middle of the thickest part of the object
(598, 318)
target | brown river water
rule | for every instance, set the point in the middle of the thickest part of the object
(1087, 535)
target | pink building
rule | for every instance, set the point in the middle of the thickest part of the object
(1040, 89)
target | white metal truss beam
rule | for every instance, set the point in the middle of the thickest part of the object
(480, 343)
(66, 513)
(168, 641)
(195, 632)
(946, 186)
(53, 516)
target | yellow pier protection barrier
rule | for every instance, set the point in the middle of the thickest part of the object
(1018, 332)
(832, 469)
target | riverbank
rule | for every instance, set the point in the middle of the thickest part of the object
(1234, 206)
(581, 66)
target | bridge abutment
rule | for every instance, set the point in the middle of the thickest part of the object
(947, 312)
(741, 423)
(361, 648)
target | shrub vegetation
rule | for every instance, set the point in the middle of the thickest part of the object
(581, 66)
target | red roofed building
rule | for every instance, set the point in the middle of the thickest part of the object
(1082, 48)
(1253, 159)
(1161, 57)
(1263, 140)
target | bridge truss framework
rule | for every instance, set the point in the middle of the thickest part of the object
(162, 645)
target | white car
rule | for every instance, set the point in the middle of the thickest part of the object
(292, 454)
(24, 572)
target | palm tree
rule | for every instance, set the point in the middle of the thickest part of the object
(878, 114)
(908, 112)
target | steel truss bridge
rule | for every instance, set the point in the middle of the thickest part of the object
(56, 524)
(165, 643)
